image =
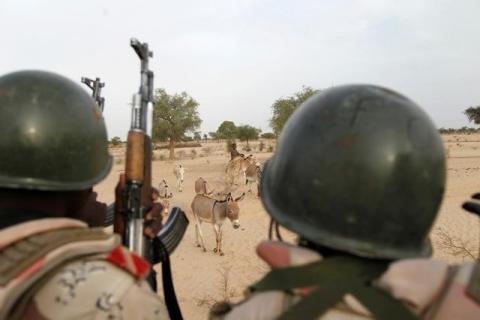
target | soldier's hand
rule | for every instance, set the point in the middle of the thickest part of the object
(118, 221)
(281, 255)
(153, 218)
(153, 221)
(93, 212)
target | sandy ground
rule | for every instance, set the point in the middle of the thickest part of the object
(202, 278)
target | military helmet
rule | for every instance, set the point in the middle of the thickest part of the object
(360, 169)
(52, 134)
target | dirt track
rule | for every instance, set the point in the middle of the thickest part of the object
(203, 278)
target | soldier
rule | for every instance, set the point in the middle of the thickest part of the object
(362, 200)
(53, 149)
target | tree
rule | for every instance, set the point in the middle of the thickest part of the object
(247, 132)
(213, 135)
(205, 137)
(173, 116)
(197, 136)
(267, 135)
(473, 114)
(284, 107)
(115, 141)
(227, 130)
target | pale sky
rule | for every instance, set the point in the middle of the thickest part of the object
(237, 57)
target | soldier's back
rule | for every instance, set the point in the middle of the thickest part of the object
(60, 269)
(408, 289)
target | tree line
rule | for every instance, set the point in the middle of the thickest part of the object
(176, 118)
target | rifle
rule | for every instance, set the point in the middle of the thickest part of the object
(137, 198)
(96, 87)
(138, 160)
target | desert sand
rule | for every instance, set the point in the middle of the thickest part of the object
(202, 278)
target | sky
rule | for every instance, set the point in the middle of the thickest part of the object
(237, 57)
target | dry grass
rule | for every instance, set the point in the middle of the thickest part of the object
(195, 144)
(207, 151)
(159, 157)
(226, 292)
(456, 246)
(180, 154)
(206, 301)
(193, 154)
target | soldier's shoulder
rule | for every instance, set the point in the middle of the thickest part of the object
(97, 286)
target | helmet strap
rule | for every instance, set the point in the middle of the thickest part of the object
(274, 224)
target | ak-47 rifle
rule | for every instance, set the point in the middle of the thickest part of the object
(137, 200)
(96, 87)
(138, 195)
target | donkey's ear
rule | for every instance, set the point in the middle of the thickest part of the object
(240, 198)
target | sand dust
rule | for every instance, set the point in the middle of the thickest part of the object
(202, 278)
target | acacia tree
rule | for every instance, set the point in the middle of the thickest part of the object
(284, 107)
(173, 117)
(473, 114)
(115, 141)
(227, 130)
(246, 132)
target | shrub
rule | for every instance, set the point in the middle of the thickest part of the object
(181, 154)
(178, 145)
(261, 146)
(207, 150)
(115, 141)
(193, 153)
(247, 148)
(267, 135)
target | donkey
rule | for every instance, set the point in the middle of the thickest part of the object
(163, 190)
(206, 209)
(179, 171)
(237, 167)
(162, 196)
(253, 175)
(201, 187)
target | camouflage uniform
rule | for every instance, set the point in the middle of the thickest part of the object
(431, 289)
(59, 269)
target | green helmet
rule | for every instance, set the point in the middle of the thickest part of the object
(52, 134)
(359, 169)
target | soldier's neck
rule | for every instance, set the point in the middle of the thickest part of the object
(52, 204)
